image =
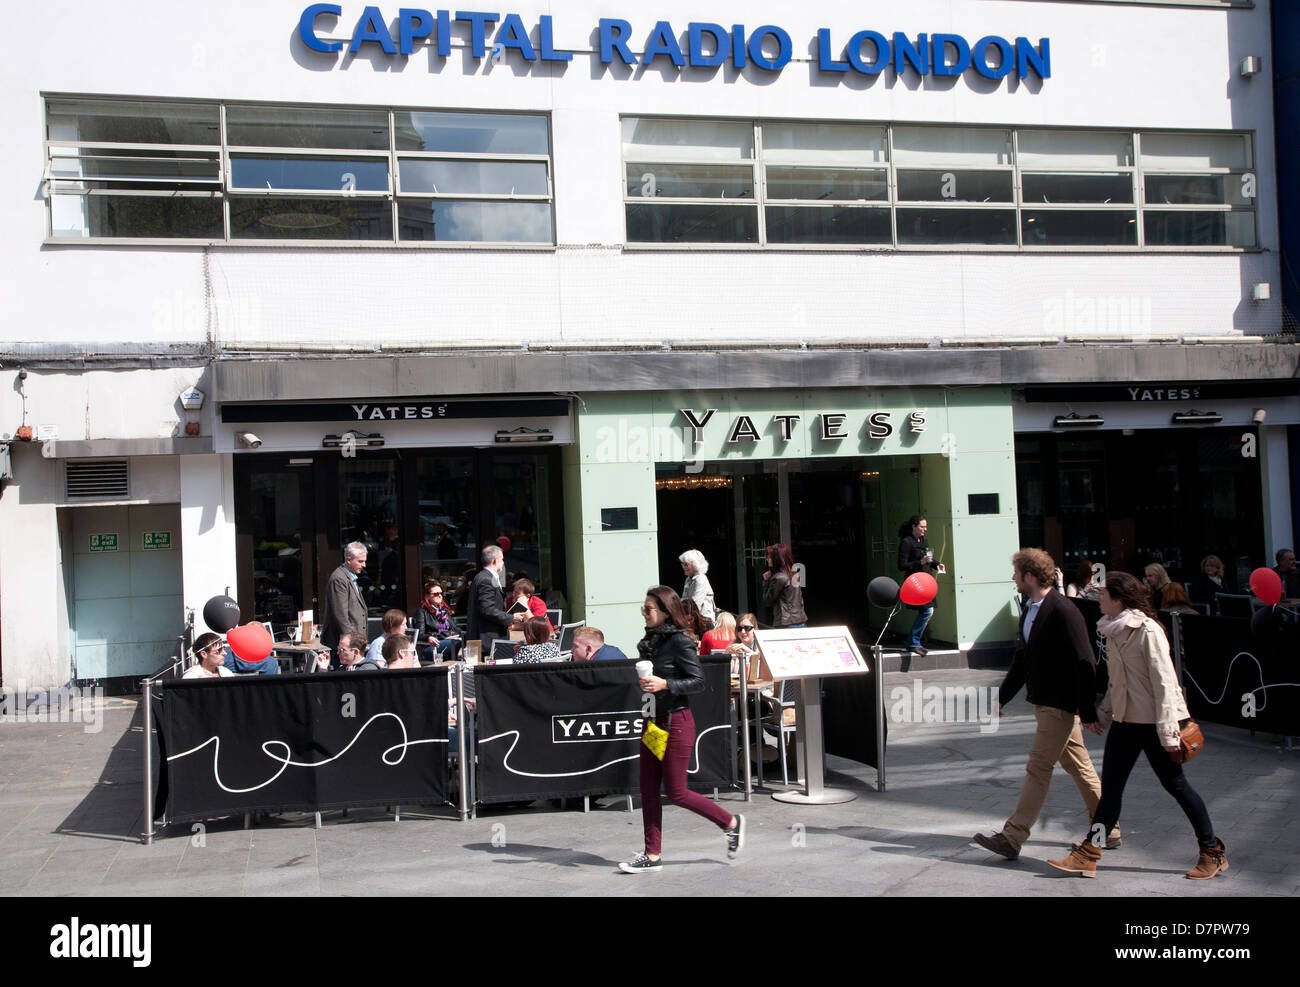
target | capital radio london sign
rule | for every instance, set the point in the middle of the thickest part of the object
(701, 44)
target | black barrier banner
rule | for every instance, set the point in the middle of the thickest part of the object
(850, 709)
(1241, 679)
(304, 742)
(574, 728)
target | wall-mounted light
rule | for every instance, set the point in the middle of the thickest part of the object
(1194, 417)
(1250, 65)
(353, 440)
(524, 434)
(1076, 420)
(1260, 291)
(1258, 416)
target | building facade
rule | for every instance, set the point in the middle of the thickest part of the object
(609, 285)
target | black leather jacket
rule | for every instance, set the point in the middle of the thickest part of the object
(677, 661)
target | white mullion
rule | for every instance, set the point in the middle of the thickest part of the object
(759, 172)
(225, 172)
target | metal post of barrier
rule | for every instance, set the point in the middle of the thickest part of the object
(462, 728)
(744, 725)
(148, 761)
(880, 716)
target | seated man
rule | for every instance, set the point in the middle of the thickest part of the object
(352, 654)
(210, 650)
(589, 645)
(399, 651)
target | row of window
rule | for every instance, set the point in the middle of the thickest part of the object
(700, 181)
(135, 169)
(208, 171)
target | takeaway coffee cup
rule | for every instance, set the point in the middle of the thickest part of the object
(644, 669)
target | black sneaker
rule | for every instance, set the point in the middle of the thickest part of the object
(736, 838)
(640, 864)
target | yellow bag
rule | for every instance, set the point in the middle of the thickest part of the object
(655, 738)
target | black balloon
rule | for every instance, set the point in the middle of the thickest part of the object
(220, 613)
(882, 591)
(1265, 622)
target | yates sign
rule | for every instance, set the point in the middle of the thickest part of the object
(768, 47)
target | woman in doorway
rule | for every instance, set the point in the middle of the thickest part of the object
(782, 591)
(915, 555)
(675, 676)
(1145, 709)
(697, 589)
(1209, 584)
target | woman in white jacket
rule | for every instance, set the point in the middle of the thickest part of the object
(695, 568)
(1144, 707)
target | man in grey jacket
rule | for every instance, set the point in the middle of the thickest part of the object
(344, 608)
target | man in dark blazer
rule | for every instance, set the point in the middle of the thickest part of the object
(1054, 659)
(488, 619)
(344, 610)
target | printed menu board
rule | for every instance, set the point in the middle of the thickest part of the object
(809, 652)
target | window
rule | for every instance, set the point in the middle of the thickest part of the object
(132, 169)
(848, 184)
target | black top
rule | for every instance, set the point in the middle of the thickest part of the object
(488, 619)
(677, 661)
(911, 555)
(1057, 662)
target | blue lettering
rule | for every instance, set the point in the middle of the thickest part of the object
(784, 48)
(371, 29)
(514, 35)
(307, 27)
(860, 64)
(905, 53)
(980, 57)
(825, 61)
(444, 33)
(662, 42)
(549, 54)
(738, 45)
(478, 22)
(1027, 57)
(939, 44)
(613, 38)
(412, 23)
(695, 44)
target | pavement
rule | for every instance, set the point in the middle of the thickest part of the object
(71, 814)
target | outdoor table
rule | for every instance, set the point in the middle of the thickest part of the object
(292, 651)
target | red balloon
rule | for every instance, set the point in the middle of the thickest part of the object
(918, 589)
(504, 542)
(252, 642)
(1267, 585)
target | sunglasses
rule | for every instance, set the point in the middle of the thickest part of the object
(651, 610)
(438, 593)
(745, 627)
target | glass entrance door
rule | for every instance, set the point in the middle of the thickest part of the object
(369, 495)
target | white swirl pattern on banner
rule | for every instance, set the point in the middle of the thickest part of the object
(286, 761)
(1263, 686)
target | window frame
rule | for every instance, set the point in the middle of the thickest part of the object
(1136, 208)
(222, 187)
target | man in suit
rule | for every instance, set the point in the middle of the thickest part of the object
(344, 608)
(1054, 659)
(488, 619)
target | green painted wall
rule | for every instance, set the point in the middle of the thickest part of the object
(966, 446)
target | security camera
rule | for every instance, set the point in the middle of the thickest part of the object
(1259, 416)
(249, 439)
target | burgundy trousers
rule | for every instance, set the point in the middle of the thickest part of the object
(671, 773)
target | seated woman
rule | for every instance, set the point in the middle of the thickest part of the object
(537, 646)
(1209, 584)
(695, 625)
(1084, 585)
(1159, 584)
(522, 590)
(723, 633)
(433, 622)
(1174, 598)
(393, 622)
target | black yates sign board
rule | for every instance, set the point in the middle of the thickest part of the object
(388, 410)
(1152, 392)
(302, 743)
(574, 729)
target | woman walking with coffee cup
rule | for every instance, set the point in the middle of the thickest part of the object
(670, 671)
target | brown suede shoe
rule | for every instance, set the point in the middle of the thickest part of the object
(1210, 862)
(1082, 860)
(999, 844)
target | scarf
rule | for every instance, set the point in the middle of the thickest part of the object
(1110, 626)
(441, 615)
(654, 639)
